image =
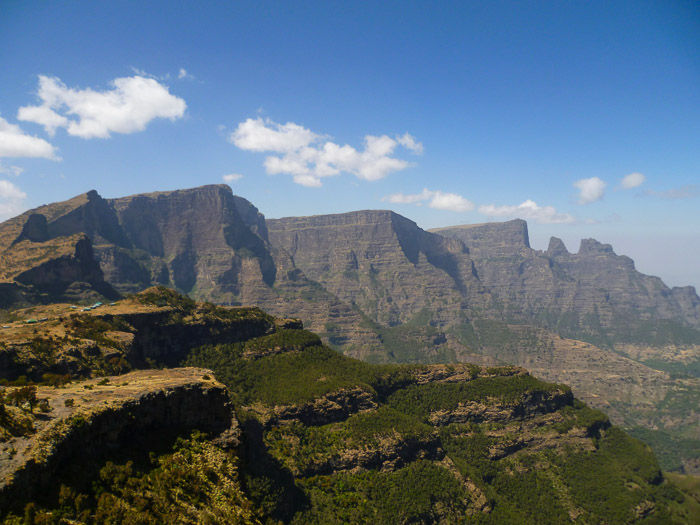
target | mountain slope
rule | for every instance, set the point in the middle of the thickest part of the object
(309, 435)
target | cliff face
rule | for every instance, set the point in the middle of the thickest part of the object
(193, 240)
(382, 263)
(575, 293)
(107, 416)
(341, 273)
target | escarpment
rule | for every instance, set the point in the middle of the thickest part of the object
(156, 326)
(89, 419)
(594, 290)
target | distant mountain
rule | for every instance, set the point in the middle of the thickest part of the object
(594, 294)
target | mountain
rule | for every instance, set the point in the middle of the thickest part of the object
(379, 288)
(251, 419)
(594, 294)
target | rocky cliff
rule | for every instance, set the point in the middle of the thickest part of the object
(595, 293)
(192, 240)
(382, 263)
(105, 414)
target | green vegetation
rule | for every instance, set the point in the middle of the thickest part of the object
(677, 370)
(422, 492)
(293, 377)
(510, 449)
(520, 486)
(670, 450)
(162, 296)
(421, 401)
(195, 482)
(282, 340)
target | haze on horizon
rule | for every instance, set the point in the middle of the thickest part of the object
(580, 118)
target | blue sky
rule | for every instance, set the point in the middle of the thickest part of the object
(445, 112)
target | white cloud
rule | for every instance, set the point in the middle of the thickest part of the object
(401, 198)
(258, 135)
(309, 156)
(15, 143)
(689, 191)
(11, 199)
(127, 108)
(632, 180)
(232, 177)
(409, 142)
(528, 210)
(183, 74)
(590, 190)
(436, 199)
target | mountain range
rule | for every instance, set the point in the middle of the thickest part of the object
(377, 287)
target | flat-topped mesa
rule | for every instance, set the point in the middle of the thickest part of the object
(593, 246)
(490, 238)
(378, 260)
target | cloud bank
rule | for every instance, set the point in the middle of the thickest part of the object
(436, 199)
(590, 190)
(128, 107)
(309, 156)
(528, 210)
(15, 143)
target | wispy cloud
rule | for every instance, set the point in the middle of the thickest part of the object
(15, 143)
(184, 75)
(689, 191)
(15, 171)
(528, 210)
(309, 156)
(11, 199)
(633, 180)
(436, 199)
(232, 177)
(131, 104)
(590, 190)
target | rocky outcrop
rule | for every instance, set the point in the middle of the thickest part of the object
(532, 404)
(193, 240)
(334, 406)
(106, 414)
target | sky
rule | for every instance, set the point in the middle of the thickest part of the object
(581, 117)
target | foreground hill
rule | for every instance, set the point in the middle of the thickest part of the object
(377, 287)
(305, 435)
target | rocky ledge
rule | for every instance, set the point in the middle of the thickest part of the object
(90, 417)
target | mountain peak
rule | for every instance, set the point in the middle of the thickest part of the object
(556, 247)
(593, 246)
